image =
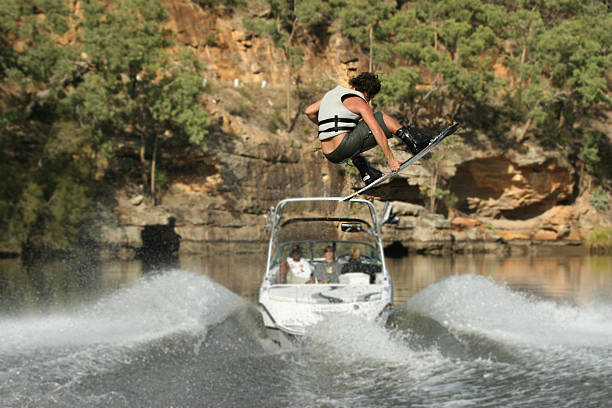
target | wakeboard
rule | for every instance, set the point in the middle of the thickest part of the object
(434, 142)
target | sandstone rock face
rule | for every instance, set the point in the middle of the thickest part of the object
(255, 157)
(512, 187)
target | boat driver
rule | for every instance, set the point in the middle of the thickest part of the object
(355, 264)
(294, 269)
(348, 126)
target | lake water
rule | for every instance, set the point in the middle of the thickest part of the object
(466, 331)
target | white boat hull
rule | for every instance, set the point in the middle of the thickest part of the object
(294, 308)
(353, 281)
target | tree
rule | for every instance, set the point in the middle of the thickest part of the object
(45, 193)
(137, 88)
(361, 21)
(437, 163)
(440, 56)
(559, 66)
(528, 93)
(77, 84)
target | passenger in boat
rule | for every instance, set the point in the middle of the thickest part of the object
(329, 270)
(355, 264)
(348, 126)
(294, 269)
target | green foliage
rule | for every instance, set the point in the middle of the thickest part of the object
(73, 105)
(313, 14)
(137, 89)
(532, 68)
(600, 238)
(435, 163)
(211, 39)
(39, 55)
(589, 150)
(173, 100)
(213, 3)
(439, 194)
(559, 67)
(278, 25)
(239, 108)
(599, 200)
(266, 28)
(350, 169)
(399, 87)
(66, 208)
(356, 17)
(276, 121)
(52, 203)
(295, 56)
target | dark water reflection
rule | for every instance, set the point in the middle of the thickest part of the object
(58, 284)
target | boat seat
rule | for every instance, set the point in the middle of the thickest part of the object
(355, 278)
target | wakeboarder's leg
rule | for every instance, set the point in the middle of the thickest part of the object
(415, 140)
(367, 173)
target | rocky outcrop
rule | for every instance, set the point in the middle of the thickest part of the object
(508, 199)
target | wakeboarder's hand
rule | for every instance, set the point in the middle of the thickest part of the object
(394, 164)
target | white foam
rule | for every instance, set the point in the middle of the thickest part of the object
(176, 301)
(353, 341)
(478, 304)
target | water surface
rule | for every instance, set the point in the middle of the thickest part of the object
(464, 332)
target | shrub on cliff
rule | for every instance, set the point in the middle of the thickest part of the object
(78, 83)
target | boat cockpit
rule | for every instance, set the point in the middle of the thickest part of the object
(313, 252)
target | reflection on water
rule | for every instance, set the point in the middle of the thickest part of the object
(578, 278)
(68, 282)
(75, 333)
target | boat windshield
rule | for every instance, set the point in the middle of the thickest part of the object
(314, 251)
(314, 225)
(325, 209)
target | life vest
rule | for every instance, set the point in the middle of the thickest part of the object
(334, 117)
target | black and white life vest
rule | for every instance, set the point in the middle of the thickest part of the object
(334, 117)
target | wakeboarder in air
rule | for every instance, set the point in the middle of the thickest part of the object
(348, 126)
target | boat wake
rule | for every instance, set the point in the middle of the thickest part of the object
(466, 317)
(155, 307)
(160, 315)
(465, 339)
(470, 304)
(179, 338)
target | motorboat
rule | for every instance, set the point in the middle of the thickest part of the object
(313, 226)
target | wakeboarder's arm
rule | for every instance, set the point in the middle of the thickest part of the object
(360, 107)
(313, 112)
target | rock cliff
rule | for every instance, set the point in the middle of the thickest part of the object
(261, 148)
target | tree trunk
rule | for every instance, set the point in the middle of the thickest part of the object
(371, 67)
(525, 130)
(432, 193)
(153, 163)
(288, 92)
(287, 51)
(143, 162)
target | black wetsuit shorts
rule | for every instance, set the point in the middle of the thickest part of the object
(358, 140)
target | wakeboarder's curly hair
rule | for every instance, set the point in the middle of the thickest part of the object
(366, 82)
